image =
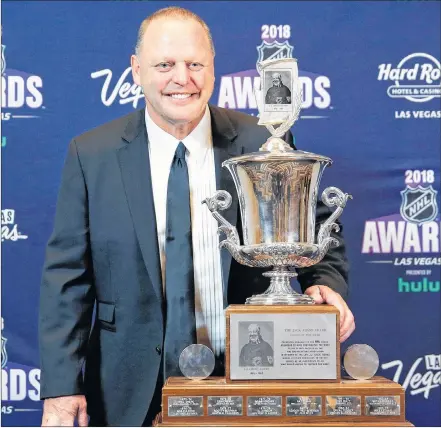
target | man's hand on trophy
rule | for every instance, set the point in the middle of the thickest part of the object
(324, 294)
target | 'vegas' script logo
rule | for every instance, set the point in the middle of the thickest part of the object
(10, 230)
(423, 376)
(123, 89)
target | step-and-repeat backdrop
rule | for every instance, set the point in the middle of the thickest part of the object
(371, 85)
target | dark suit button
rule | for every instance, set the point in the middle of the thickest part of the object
(158, 350)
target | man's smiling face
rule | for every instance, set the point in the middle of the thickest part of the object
(175, 67)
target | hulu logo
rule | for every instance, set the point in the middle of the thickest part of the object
(424, 285)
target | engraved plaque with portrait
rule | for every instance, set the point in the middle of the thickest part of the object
(282, 346)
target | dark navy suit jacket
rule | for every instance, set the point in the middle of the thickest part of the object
(103, 251)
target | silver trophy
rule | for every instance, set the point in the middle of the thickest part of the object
(277, 189)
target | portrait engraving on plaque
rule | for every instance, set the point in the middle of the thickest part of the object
(303, 406)
(225, 406)
(185, 406)
(387, 405)
(343, 405)
(278, 89)
(264, 406)
(256, 341)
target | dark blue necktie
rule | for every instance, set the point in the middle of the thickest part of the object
(179, 276)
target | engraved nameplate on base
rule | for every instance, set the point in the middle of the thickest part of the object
(225, 406)
(303, 406)
(388, 405)
(264, 406)
(343, 405)
(185, 406)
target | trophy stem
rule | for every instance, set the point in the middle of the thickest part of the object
(280, 291)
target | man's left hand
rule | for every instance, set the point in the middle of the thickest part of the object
(324, 294)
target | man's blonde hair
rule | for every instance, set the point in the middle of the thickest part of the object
(171, 12)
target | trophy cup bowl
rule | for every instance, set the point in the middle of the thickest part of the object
(277, 189)
(277, 193)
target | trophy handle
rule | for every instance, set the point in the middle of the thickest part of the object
(220, 201)
(331, 196)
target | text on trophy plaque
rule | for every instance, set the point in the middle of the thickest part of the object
(225, 406)
(185, 406)
(382, 405)
(343, 405)
(303, 406)
(264, 406)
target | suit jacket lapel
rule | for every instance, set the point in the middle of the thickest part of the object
(225, 147)
(134, 164)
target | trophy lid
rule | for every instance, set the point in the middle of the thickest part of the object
(275, 149)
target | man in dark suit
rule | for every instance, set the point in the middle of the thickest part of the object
(113, 230)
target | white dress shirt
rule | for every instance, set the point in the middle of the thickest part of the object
(209, 312)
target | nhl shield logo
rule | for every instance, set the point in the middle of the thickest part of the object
(419, 204)
(4, 353)
(274, 50)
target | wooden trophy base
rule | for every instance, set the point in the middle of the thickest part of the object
(216, 402)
